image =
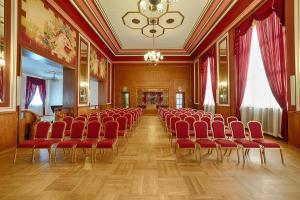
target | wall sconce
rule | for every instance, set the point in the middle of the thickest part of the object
(84, 84)
(179, 89)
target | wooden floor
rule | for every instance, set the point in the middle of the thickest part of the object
(146, 168)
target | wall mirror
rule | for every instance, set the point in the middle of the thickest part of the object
(223, 71)
(125, 99)
(83, 71)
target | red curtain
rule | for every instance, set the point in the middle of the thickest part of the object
(31, 85)
(271, 40)
(243, 44)
(1, 84)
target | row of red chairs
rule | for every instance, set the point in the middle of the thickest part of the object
(204, 133)
(80, 134)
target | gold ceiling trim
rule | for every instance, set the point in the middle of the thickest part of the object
(141, 21)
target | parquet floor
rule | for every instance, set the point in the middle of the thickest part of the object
(147, 169)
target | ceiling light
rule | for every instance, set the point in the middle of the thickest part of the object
(153, 56)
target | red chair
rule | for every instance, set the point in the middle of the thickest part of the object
(115, 116)
(239, 136)
(172, 133)
(202, 138)
(80, 118)
(41, 133)
(129, 120)
(190, 120)
(182, 116)
(196, 116)
(122, 127)
(256, 135)
(77, 130)
(218, 130)
(208, 122)
(167, 121)
(229, 120)
(57, 135)
(106, 119)
(83, 115)
(183, 137)
(93, 118)
(102, 115)
(69, 120)
(219, 118)
(92, 138)
(110, 137)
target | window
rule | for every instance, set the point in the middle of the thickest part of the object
(257, 92)
(209, 98)
(179, 100)
(36, 101)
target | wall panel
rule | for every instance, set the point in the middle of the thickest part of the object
(170, 76)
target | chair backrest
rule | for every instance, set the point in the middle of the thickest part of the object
(201, 130)
(190, 120)
(207, 120)
(42, 130)
(173, 121)
(68, 120)
(218, 129)
(106, 119)
(168, 118)
(77, 129)
(93, 118)
(111, 129)
(80, 118)
(219, 118)
(238, 130)
(129, 118)
(93, 130)
(83, 115)
(182, 130)
(231, 119)
(122, 123)
(182, 116)
(255, 129)
(196, 116)
(102, 115)
(58, 129)
(115, 116)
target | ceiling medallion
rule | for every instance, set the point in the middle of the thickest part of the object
(153, 12)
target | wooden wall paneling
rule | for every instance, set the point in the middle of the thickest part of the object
(293, 128)
(8, 130)
(170, 76)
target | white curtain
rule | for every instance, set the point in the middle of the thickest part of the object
(36, 105)
(258, 102)
(209, 103)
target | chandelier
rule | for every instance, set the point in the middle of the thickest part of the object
(153, 56)
(155, 5)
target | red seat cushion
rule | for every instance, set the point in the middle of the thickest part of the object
(28, 143)
(248, 143)
(46, 144)
(87, 143)
(121, 133)
(206, 143)
(67, 144)
(267, 143)
(186, 143)
(106, 143)
(226, 143)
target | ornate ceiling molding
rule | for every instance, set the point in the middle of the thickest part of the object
(95, 15)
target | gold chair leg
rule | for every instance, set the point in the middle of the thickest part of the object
(32, 155)
(220, 149)
(243, 152)
(261, 157)
(15, 156)
(55, 155)
(49, 155)
(264, 154)
(281, 155)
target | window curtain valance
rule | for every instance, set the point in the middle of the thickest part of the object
(31, 85)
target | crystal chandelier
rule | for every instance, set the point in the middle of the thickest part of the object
(153, 56)
(155, 5)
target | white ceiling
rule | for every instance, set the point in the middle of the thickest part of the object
(113, 10)
(40, 67)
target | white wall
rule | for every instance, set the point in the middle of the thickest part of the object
(94, 92)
